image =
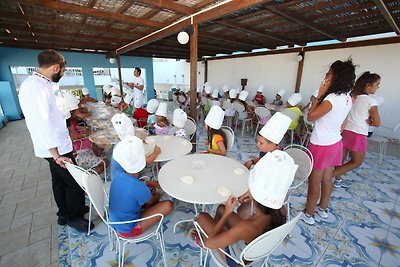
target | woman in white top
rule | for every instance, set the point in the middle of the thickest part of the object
(363, 114)
(329, 113)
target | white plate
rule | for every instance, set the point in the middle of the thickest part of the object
(239, 171)
(223, 191)
(187, 179)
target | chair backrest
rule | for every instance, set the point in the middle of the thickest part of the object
(190, 127)
(226, 104)
(262, 112)
(239, 107)
(262, 246)
(95, 191)
(291, 114)
(79, 174)
(302, 157)
(230, 136)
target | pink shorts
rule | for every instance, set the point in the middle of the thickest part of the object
(354, 141)
(326, 156)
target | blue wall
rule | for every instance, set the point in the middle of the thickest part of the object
(87, 61)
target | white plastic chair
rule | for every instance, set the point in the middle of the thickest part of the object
(302, 157)
(96, 193)
(240, 109)
(230, 137)
(97, 163)
(190, 128)
(257, 251)
(308, 125)
(295, 117)
(229, 112)
(261, 112)
(382, 140)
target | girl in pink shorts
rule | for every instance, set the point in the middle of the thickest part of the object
(329, 111)
(363, 114)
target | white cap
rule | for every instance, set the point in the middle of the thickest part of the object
(233, 93)
(294, 99)
(115, 100)
(281, 92)
(115, 91)
(225, 88)
(137, 101)
(215, 117)
(243, 95)
(260, 88)
(215, 93)
(162, 109)
(107, 88)
(276, 127)
(271, 178)
(70, 100)
(379, 100)
(128, 97)
(85, 91)
(152, 105)
(129, 153)
(208, 89)
(123, 125)
(179, 119)
(315, 93)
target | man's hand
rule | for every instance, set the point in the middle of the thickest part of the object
(60, 161)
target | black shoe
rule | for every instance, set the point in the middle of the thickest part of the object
(62, 220)
(80, 224)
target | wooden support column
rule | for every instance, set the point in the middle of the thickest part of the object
(120, 76)
(193, 76)
(205, 71)
(299, 73)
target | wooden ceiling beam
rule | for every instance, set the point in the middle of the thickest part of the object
(170, 5)
(202, 45)
(227, 39)
(296, 18)
(71, 8)
(221, 10)
(203, 3)
(388, 17)
(90, 5)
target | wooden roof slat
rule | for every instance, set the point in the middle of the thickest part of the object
(203, 4)
(388, 17)
(170, 5)
(294, 17)
(91, 12)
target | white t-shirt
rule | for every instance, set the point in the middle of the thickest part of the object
(327, 128)
(136, 92)
(45, 121)
(359, 114)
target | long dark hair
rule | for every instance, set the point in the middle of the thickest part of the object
(211, 132)
(276, 218)
(362, 82)
(343, 78)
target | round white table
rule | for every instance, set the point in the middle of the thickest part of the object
(172, 147)
(214, 178)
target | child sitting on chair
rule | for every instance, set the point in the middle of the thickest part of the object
(178, 121)
(291, 105)
(130, 198)
(278, 98)
(259, 98)
(161, 126)
(216, 139)
(269, 182)
(270, 136)
(140, 114)
(151, 108)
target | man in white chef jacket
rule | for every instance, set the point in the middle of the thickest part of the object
(137, 85)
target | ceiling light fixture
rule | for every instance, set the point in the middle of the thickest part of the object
(8, 31)
(15, 39)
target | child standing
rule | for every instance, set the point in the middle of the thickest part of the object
(216, 139)
(329, 113)
(130, 198)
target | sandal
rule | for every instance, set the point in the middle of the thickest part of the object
(195, 238)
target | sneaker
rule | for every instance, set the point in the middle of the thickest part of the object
(80, 224)
(62, 220)
(341, 183)
(308, 219)
(323, 213)
(195, 238)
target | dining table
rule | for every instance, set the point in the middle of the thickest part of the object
(172, 147)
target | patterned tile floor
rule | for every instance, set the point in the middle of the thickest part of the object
(363, 228)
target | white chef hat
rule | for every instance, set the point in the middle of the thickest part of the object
(115, 100)
(215, 93)
(137, 101)
(276, 127)
(225, 88)
(70, 100)
(162, 109)
(179, 119)
(85, 91)
(152, 105)
(243, 95)
(233, 93)
(208, 89)
(281, 92)
(60, 102)
(107, 88)
(123, 125)
(128, 97)
(294, 99)
(215, 117)
(129, 153)
(260, 88)
(271, 178)
(115, 91)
